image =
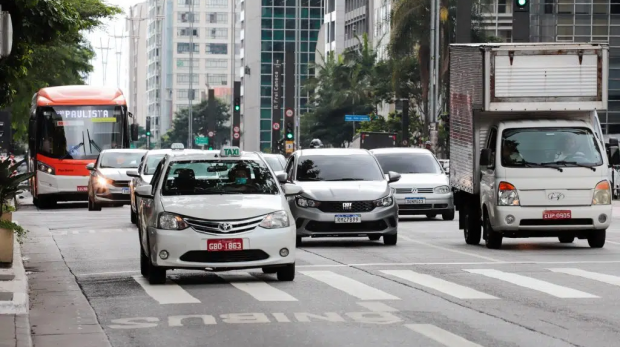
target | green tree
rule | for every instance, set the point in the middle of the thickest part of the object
(201, 117)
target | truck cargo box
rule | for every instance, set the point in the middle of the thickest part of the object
(372, 140)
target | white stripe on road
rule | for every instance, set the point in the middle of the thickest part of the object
(444, 337)
(535, 284)
(376, 306)
(349, 286)
(260, 290)
(450, 249)
(609, 279)
(169, 293)
(449, 288)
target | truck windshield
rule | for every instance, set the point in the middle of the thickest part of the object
(524, 147)
(408, 163)
(357, 167)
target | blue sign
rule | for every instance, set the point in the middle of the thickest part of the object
(356, 118)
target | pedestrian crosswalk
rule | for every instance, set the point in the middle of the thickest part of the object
(69, 232)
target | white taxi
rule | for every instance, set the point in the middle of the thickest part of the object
(216, 211)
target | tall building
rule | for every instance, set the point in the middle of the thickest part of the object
(137, 30)
(268, 29)
(187, 38)
(346, 19)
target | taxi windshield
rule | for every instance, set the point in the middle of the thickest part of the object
(214, 177)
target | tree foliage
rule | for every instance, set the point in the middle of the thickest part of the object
(201, 117)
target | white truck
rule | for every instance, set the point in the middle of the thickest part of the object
(527, 153)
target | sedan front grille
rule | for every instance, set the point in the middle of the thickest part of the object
(120, 184)
(224, 257)
(346, 206)
(414, 190)
(224, 227)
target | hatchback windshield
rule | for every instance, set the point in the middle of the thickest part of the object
(356, 167)
(120, 160)
(409, 163)
(528, 147)
(274, 163)
(207, 177)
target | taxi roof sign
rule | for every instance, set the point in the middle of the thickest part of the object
(177, 146)
(230, 152)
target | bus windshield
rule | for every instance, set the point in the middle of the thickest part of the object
(78, 132)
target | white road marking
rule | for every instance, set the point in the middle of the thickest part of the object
(439, 335)
(349, 286)
(532, 283)
(449, 250)
(91, 231)
(612, 242)
(376, 306)
(609, 279)
(260, 290)
(75, 232)
(169, 293)
(108, 273)
(438, 284)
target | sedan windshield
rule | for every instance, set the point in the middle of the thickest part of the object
(212, 177)
(356, 167)
(409, 163)
(536, 147)
(120, 160)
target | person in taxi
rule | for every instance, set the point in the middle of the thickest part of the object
(240, 178)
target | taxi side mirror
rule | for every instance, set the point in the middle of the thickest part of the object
(292, 189)
(282, 177)
(144, 191)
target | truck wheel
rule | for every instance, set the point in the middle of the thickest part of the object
(596, 239)
(472, 230)
(134, 216)
(492, 239)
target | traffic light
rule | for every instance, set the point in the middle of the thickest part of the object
(522, 5)
(290, 132)
(237, 104)
(148, 126)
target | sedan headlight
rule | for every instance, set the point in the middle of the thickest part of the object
(441, 190)
(384, 202)
(45, 168)
(102, 181)
(275, 220)
(169, 221)
(304, 202)
(602, 194)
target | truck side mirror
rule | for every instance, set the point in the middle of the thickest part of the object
(614, 155)
(486, 158)
(613, 142)
(134, 132)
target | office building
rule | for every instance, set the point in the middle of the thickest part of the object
(268, 29)
(137, 30)
(346, 19)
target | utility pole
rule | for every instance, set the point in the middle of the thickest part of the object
(234, 97)
(191, 72)
(104, 57)
(134, 38)
(405, 123)
(521, 21)
(119, 54)
(431, 79)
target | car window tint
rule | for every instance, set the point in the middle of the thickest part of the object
(409, 163)
(351, 167)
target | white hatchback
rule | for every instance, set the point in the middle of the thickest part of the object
(193, 217)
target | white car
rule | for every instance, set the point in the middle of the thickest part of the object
(190, 217)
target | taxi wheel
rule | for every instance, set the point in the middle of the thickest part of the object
(390, 240)
(567, 238)
(431, 215)
(270, 270)
(298, 241)
(287, 273)
(156, 274)
(144, 263)
(596, 239)
(374, 237)
(134, 217)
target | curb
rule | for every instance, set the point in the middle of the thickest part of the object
(14, 281)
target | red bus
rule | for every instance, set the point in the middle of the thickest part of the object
(68, 127)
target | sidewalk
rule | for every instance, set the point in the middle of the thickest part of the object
(14, 303)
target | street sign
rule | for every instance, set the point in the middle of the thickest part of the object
(289, 147)
(404, 142)
(211, 134)
(201, 141)
(289, 112)
(236, 129)
(356, 118)
(236, 136)
(276, 126)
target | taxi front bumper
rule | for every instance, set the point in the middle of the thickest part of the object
(187, 249)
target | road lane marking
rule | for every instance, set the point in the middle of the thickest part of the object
(349, 286)
(532, 283)
(169, 293)
(438, 284)
(376, 306)
(439, 335)
(609, 279)
(449, 250)
(108, 273)
(260, 290)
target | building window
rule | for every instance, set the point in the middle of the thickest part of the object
(216, 64)
(217, 3)
(188, 2)
(184, 63)
(217, 48)
(217, 79)
(548, 6)
(186, 32)
(183, 47)
(183, 78)
(186, 17)
(501, 6)
(217, 33)
(217, 17)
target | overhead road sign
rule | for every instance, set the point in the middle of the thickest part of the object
(356, 118)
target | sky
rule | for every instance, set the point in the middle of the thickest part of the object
(103, 37)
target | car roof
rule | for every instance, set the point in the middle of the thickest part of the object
(400, 150)
(123, 150)
(333, 151)
(206, 155)
(173, 151)
(272, 155)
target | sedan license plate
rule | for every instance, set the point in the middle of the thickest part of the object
(82, 188)
(348, 218)
(224, 245)
(125, 190)
(557, 214)
(415, 201)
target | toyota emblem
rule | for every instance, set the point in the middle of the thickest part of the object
(556, 196)
(225, 227)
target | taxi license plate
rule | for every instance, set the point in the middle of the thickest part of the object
(224, 245)
(557, 214)
(348, 218)
(125, 190)
(415, 201)
(82, 188)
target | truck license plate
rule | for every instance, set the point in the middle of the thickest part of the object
(225, 245)
(348, 218)
(557, 214)
(415, 201)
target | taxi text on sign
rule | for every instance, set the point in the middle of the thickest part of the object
(231, 152)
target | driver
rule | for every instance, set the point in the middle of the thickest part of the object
(240, 177)
(568, 148)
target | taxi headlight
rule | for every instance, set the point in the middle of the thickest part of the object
(304, 202)
(602, 194)
(275, 220)
(384, 202)
(169, 221)
(441, 190)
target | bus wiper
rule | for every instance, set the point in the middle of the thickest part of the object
(566, 163)
(546, 165)
(71, 150)
(92, 142)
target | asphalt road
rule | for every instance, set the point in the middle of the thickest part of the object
(430, 290)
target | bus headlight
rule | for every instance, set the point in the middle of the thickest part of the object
(602, 194)
(45, 168)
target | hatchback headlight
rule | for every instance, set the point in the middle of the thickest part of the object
(169, 221)
(275, 220)
(442, 190)
(45, 168)
(602, 194)
(304, 202)
(384, 202)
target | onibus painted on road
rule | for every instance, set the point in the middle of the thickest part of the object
(69, 126)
